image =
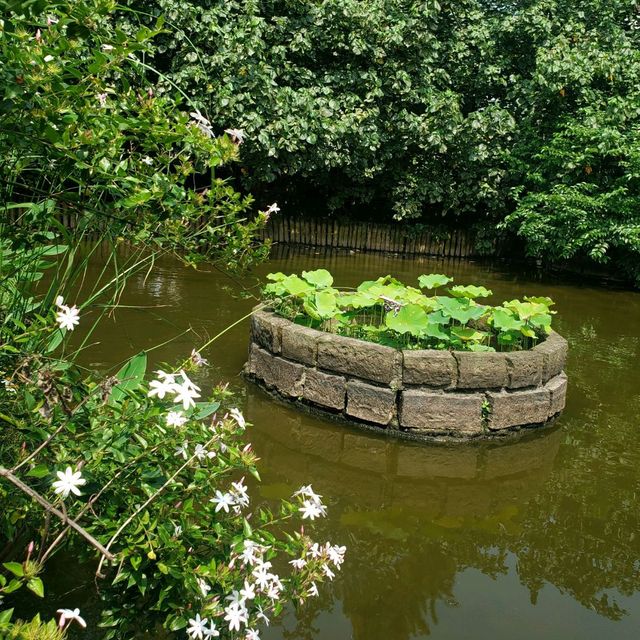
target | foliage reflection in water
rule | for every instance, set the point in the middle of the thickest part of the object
(539, 535)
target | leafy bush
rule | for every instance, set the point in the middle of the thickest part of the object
(388, 312)
(83, 132)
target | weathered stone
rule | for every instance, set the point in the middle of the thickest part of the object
(359, 358)
(554, 355)
(518, 408)
(373, 404)
(524, 368)
(481, 370)
(299, 343)
(558, 388)
(325, 389)
(441, 413)
(429, 367)
(287, 377)
(266, 328)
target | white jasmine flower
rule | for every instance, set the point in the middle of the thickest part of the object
(182, 450)
(298, 563)
(336, 554)
(315, 550)
(168, 378)
(102, 99)
(197, 359)
(68, 482)
(327, 572)
(273, 208)
(313, 590)
(204, 587)
(235, 597)
(147, 160)
(239, 492)
(70, 615)
(211, 631)
(307, 492)
(222, 501)
(160, 388)
(202, 123)
(236, 414)
(186, 392)
(197, 627)
(67, 317)
(176, 419)
(262, 576)
(107, 47)
(248, 592)
(52, 20)
(249, 552)
(236, 614)
(201, 453)
(48, 58)
(261, 615)
(237, 135)
(311, 510)
(252, 634)
(177, 530)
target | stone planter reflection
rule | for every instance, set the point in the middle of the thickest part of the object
(426, 393)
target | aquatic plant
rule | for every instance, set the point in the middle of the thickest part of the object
(388, 312)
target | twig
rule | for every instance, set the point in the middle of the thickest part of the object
(5, 473)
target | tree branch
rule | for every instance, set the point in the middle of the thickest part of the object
(5, 473)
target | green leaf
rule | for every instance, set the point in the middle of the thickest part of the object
(5, 616)
(411, 318)
(433, 281)
(15, 568)
(326, 304)
(320, 278)
(39, 471)
(35, 585)
(205, 409)
(470, 291)
(131, 376)
(504, 320)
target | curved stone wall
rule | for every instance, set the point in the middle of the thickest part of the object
(425, 392)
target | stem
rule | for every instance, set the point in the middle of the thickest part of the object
(5, 473)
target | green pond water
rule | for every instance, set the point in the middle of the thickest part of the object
(532, 538)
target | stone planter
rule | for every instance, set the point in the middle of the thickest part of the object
(426, 393)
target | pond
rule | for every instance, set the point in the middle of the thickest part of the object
(529, 538)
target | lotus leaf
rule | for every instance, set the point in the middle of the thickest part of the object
(433, 281)
(326, 303)
(470, 291)
(320, 278)
(467, 334)
(504, 320)
(412, 319)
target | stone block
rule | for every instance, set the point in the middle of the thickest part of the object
(325, 389)
(287, 377)
(266, 328)
(481, 370)
(458, 414)
(369, 403)
(518, 408)
(299, 343)
(359, 358)
(554, 355)
(429, 367)
(524, 368)
(558, 388)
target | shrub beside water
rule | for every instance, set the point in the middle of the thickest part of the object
(433, 315)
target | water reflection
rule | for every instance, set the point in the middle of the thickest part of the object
(537, 537)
